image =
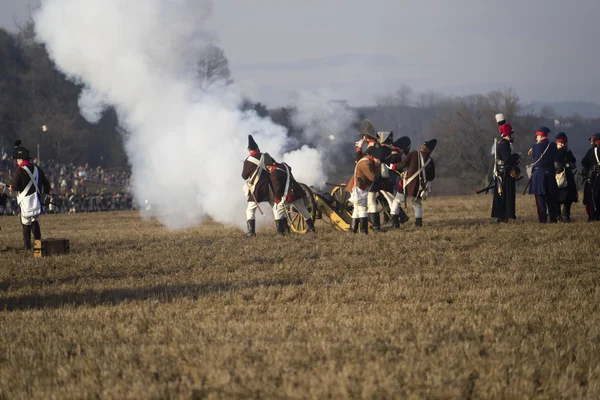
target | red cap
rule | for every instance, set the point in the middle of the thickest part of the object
(541, 133)
(506, 129)
(561, 140)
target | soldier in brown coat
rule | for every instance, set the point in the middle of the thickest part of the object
(287, 191)
(258, 186)
(420, 170)
(366, 173)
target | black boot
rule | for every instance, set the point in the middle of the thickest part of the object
(251, 224)
(311, 225)
(375, 221)
(37, 232)
(354, 225)
(567, 212)
(286, 226)
(280, 224)
(402, 217)
(419, 222)
(394, 222)
(27, 237)
(364, 225)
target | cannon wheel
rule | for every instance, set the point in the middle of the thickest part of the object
(340, 195)
(384, 214)
(297, 222)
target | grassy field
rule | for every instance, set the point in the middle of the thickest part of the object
(462, 308)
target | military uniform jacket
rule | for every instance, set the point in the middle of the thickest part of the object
(505, 188)
(591, 189)
(565, 161)
(411, 163)
(21, 180)
(543, 178)
(366, 173)
(263, 185)
(279, 179)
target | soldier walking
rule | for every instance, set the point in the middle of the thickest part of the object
(506, 171)
(591, 172)
(543, 178)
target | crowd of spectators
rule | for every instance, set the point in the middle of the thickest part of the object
(75, 188)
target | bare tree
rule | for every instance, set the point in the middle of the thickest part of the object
(213, 65)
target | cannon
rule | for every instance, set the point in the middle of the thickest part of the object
(332, 207)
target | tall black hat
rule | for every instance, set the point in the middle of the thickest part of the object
(430, 145)
(20, 152)
(251, 143)
(403, 143)
(269, 160)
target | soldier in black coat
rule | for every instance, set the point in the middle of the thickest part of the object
(31, 184)
(565, 163)
(506, 172)
(591, 172)
(258, 186)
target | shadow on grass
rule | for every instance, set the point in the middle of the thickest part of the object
(36, 282)
(111, 297)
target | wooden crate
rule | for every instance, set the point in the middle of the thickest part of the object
(49, 247)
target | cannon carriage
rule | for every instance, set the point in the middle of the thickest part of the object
(333, 207)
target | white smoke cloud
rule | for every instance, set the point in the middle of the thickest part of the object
(185, 144)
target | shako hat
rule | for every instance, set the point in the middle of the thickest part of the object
(500, 119)
(561, 137)
(542, 131)
(20, 152)
(595, 137)
(251, 143)
(430, 144)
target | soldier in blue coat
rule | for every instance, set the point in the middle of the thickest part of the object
(543, 178)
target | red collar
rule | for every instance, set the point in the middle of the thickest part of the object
(24, 163)
(254, 152)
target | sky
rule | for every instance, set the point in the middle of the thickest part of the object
(546, 50)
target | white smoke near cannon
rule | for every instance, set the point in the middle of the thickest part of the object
(185, 141)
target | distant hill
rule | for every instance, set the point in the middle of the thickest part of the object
(568, 108)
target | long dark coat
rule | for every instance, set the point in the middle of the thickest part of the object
(591, 189)
(543, 180)
(565, 161)
(411, 163)
(263, 186)
(505, 188)
(372, 145)
(279, 178)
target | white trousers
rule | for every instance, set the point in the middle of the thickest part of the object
(418, 207)
(396, 204)
(372, 202)
(251, 210)
(298, 205)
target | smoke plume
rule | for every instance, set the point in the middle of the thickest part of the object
(185, 141)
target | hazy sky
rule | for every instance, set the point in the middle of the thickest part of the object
(544, 49)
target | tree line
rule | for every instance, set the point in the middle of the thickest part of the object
(34, 94)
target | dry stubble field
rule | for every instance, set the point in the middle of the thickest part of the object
(463, 308)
